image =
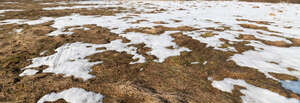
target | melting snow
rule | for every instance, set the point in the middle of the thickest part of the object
(29, 72)
(271, 59)
(252, 94)
(158, 44)
(7, 10)
(202, 14)
(44, 52)
(205, 62)
(292, 85)
(19, 30)
(69, 59)
(195, 62)
(117, 45)
(29, 22)
(73, 95)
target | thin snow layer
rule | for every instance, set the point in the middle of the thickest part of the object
(271, 59)
(205, 62)
(69, 59)
(73, 95)
(8, 10)
(252, 94)
(29, 72)
(117, 45)
(291, 85)
(284, 21)
(158, 44)
(23, 21)
(19, 30)
(79, 20)
(198, 14)
(195, 62)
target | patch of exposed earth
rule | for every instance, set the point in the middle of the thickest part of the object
(149, 51)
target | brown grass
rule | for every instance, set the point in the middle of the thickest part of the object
(173, 81)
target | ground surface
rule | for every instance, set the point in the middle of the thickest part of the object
(149, 52)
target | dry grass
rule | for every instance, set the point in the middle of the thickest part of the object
(174, 81)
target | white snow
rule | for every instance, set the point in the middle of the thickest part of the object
(117, 45)
(28, 72)
(85, 29)
(195, 62)
(158, 44)
(202, 14)
(9, 2)
(19, 30)
(73, 95)
(23, 21)
(8, 10)
(44, 52)
(205, 62)
(198, 14)
(11, 21)
(69, 59)
(271, 59)
(39, 21)
(252, 94)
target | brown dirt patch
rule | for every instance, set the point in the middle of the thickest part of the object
(156, 30)
(296, 41)
(283, 76)
(277, 43)
(258, 22)
(273, 43)
(208, 34)
(252, 26)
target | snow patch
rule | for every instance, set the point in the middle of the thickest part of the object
(8, 10)
(73, 95)
(158, 44)
(29, 22)
(44, 52)
(205, 62)
(117, 45)
(19, 30)
(195, 62)
(28, 72)
(252, 94)
(69, 59)
(271, 59)
(291, 85)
